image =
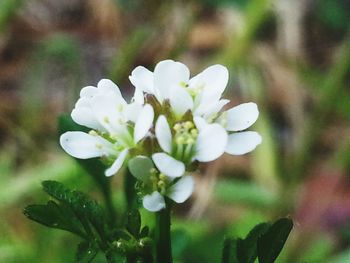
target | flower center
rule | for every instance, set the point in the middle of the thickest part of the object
(185, 139)
(193, 91)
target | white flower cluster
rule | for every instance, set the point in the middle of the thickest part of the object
(172, 122)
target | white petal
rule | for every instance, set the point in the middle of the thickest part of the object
(168, 165)
(108, 86)
(242, 116)
(142, 79)
(132, 111)
(108, 110)
(242, 142)
(211, 143)
(83, 102)
(143, 123)
(84, 146)
(138, 96)
(199, 122)
(117, 163)
(182, 189)
(88, 92)
(153, 202)
(84, 116)
(180, 100)
(163, 134)
(214, 108)
(168, 73)
(214, 80)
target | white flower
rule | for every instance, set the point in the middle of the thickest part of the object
(116, 125)
(235, 120)
(171, 81)
(191, 141)
(202, 96)
(156, 184)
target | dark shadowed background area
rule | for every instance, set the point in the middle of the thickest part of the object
(290, 57)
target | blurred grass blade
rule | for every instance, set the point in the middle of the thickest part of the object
(8, 9)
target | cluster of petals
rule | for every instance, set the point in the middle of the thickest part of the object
(117, 127)
(220, 130)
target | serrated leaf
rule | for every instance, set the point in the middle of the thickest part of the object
(229, 251)
(247, 248)
(86, 252)
(57, 190)
(55, 216)
(271, 243)
(73, 206)
(134, 223)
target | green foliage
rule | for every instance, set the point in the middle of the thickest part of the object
(271, 243)
(264, 242)
(75, 212)
(86, 252)
(229, 254)
(134, 223)
(247, 248)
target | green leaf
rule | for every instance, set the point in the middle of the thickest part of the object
(271, 243)
(115, 257)
(129, 190)
(229, 251)
(57, 190)
(247, 248)
(144, 232)
(141, 167)
(75, 212)
(55, 216)
(86, 252)
(134, 223)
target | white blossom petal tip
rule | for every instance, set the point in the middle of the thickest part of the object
(182, 189)
(163, 133)
(118, 163)
(84, 146)
(242, 116)
(153, 202)
(242, 142)
(142, 79)
(168, 165)
(211, 143)
(169, 72)
(143, 123)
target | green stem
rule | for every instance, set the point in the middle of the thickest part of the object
(162, 235)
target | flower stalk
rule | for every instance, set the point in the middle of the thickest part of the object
(162, 234)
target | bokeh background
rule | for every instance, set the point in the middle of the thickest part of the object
(291, 57)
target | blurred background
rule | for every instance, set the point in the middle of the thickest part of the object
(291, 57)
